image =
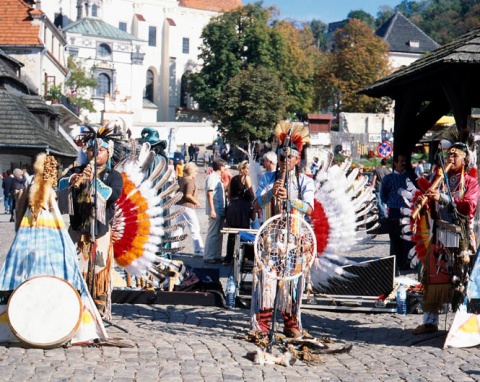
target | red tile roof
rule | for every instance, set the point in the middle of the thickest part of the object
(212, 5)
(16, 24)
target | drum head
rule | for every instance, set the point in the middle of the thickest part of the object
(44, 311)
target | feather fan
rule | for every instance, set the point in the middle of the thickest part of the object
(141, 213)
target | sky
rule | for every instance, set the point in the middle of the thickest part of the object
(327, 11)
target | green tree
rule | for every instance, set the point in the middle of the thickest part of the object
(360, 58)
(319, 30)
(361, 15)
(246, 39)
(241, 117)
(78, 84)
(384, 13)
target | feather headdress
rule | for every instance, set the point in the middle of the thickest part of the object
(461, 141)
(105, 137)
(293, 135)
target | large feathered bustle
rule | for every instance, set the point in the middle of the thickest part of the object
(138, 227)
(340, 208)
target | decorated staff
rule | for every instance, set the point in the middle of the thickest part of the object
(445, 247)
(88, 194)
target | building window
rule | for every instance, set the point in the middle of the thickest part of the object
(149, 86)
(186, 45)
(104, 51)
(122, 26)
(103, 85)
(94, 10)
(183, 92)
(152, 36)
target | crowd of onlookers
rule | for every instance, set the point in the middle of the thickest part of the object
(229, 198)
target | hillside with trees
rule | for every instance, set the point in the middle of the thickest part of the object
(259, 69)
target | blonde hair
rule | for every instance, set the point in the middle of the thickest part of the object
(242, 165)
(190, 168)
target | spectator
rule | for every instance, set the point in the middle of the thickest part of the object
(226, 178)
(191, 152)
(196, 150)
(206, 160)
(18, 185)
(7, 191)
(28, 177)
(173, 175)
(419, 169)
(314, 167)
(240, 209)
(179, 169)
(189, 201)
(215, 209)
(378, 176)
(270, 161)
(389, 195)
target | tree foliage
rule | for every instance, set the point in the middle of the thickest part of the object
(319, 30)
(247, 39)
(361, 15)
(442, 20)
(359, 59)
(242, 118)
(78, 84)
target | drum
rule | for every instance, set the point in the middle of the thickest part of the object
(44, 311)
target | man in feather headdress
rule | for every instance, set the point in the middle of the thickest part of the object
(90, 202)
(446, 258)
(297, 194)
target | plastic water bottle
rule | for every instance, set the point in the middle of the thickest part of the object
(231, 293)
(401, 300)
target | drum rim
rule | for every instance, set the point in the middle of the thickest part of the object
(58, 342)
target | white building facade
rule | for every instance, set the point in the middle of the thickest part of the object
(138, 51)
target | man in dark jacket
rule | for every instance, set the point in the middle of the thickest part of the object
(7, 189)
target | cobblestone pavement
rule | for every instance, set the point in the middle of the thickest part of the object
(194, 343)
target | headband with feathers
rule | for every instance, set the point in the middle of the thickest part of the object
(299, 134)
(106, 137)
(456, 137)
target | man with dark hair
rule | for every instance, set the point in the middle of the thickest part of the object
(90, 224)
(389, 194)
(296, 191)
(448, 259)
(7, 188)
(215, 209)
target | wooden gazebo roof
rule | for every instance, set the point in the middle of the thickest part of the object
(442, 82)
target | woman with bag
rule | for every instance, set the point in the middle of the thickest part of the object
(240, 209)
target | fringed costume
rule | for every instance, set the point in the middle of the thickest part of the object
(300, 191)
(443, 231)
(91, 206)
(42, 247)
